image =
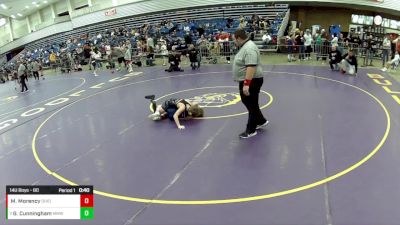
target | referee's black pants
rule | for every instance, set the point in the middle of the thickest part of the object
(23, 84)
(251, 102)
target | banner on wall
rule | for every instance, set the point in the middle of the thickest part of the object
(111, 12)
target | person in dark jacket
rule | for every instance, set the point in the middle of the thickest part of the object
(150, 57)
(369, 51)
(349, 64)
(174, 60)
(193, 57)
(335, 57)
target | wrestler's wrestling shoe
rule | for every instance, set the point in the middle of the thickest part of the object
(155, 116)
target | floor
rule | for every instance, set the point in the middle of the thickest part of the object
(330, 154)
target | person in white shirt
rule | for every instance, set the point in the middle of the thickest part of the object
(335, 40)
(164, 53)
(242, 24)
(149, 42)
(186, 28)
(307, 43)
(107, 48)
(394, 62)
(266, 39)
(170, 25)
(385, 50)
(95, 57)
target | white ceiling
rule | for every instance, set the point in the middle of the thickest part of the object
(19, 6)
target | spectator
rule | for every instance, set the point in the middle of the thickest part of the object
(202, 44)
(393, 63)
(229, 22)
(223, 39)
(174, 60)
(40, 64)
(255, 19)
(150, 57)
(356, 42)
(325, 47)
(128, 58)
(369, 51)
(397, 45)
(263, 24)
(193, 57)
(170, 26)
(53, 57)
(149, 42)
(22, 76)
(335, 40)
(186, 27)
(182, 48)
(341, 41)
(188, 39)
(335, 57)
(242, 24)
(385, 50)
(35, 69)
(307, 44)
(290, 44)
(266, 38)
(119, 53)
(318, 44)
(300, 43)
(349, 64)
(95, 60)
(164, 52)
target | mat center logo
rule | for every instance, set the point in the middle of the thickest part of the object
(216, 100)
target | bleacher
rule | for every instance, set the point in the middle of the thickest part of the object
(217, 15)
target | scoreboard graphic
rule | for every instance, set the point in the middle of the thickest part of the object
(49, 202)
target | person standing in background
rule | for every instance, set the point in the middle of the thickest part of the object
(385, 50)
(22, 76)
(35, 69)
(128, 59)
(307, 44)
(164, 52)
(369, 51)
(40, 65)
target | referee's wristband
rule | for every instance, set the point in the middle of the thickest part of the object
(247, 82)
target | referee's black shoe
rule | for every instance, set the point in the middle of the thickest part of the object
(247, 134)
(151, 97)
(262, 125)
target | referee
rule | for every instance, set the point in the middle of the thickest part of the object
(248, 72)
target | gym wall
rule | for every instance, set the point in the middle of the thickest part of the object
(326, 16)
